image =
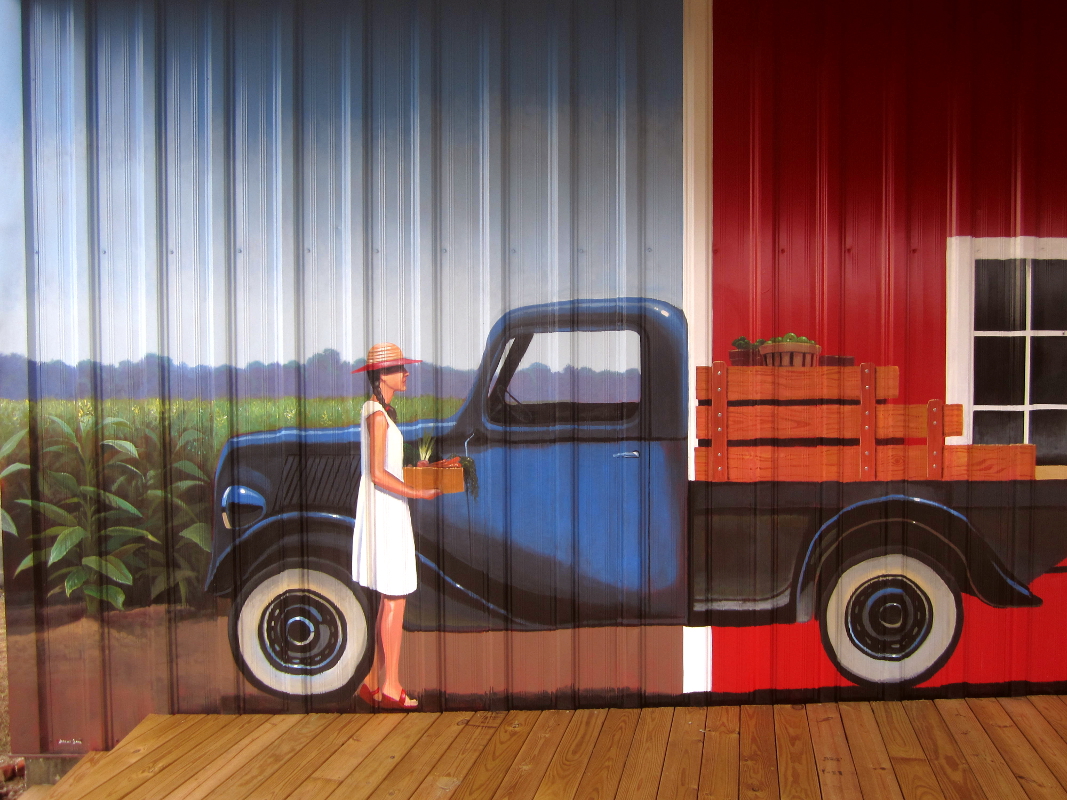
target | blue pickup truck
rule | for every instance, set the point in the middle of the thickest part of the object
(584, 515)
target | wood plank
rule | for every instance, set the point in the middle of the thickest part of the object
(602, 775)
(869, 753)
(239, 783)
(568, 764)
(953, 772)
(824, 463)
(798, 383)
(115, 762)
(1040, 733)
(824, 421)
(718, 422)
(868, 471)
(935, 440)
(374, 769)
(990, 462)
(989, 767)
(644, 762)
(1026, 765)
(159, 758)
(325, 780)
(453, 766)
(1054, 710)
(681, 764)
(526, 772)
(295, 770)
(41, 791)
(914, 774)
(236, 758)
(758, 763)
(837, 772)
(78, 775)
(406, 777)
(797, 777)
(892, 462)
(143, 727)
(720, 761)
(198, 758)
(489, 770)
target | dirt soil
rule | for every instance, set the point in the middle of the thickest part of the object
(16, 787)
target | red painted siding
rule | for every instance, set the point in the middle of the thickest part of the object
(850, 139)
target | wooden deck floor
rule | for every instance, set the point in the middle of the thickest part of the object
(998, 749)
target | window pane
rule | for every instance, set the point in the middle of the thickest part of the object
(579, 367)
(1049, 311)
(1048, 430)
(998, 427)
(999, 370)
(1000, 295)
(1048, 369)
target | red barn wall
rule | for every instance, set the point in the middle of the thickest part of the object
(851, 139)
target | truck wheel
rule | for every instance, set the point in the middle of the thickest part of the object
(303, 629)
(890, 619)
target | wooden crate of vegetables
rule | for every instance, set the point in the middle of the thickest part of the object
(778, 423)
(444, 475)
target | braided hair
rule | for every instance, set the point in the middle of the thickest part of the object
(374, 378)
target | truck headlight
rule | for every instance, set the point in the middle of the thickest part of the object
(242, 506)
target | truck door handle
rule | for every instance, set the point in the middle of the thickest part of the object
(630, 454)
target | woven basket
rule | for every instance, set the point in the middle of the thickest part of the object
(790, 354)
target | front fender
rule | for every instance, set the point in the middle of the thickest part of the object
(291, 535)
(900, 522)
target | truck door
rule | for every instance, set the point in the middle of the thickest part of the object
(560, 523)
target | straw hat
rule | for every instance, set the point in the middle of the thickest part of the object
(384, 355)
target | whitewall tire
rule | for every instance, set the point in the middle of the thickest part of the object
(891, 619)
(303, 631)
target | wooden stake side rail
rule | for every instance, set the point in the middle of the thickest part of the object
(833, 424)
(982, 749)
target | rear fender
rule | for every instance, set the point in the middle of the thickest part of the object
(897, 523)
(296, 535)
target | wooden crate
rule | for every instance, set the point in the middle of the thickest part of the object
(448, 479)
(826, 424)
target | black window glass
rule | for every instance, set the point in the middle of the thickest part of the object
(1049, 303)
(998, 427)
(1048, 369)
(1000, 295)
(1048, 430)
(999, 370)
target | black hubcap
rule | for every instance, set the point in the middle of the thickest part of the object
(302, 632)
(888, 617)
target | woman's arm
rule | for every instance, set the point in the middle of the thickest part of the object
(382, 478)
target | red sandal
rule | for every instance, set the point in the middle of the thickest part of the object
(402, 703)
(367, 696)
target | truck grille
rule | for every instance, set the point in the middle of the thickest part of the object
(326, 482)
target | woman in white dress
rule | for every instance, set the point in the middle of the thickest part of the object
(383, 547)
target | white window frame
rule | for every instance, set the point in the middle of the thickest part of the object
(962, 252)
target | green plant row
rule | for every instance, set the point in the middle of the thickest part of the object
(118, 504)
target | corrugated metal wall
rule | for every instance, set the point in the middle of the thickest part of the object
(229, 202)
(254, 183)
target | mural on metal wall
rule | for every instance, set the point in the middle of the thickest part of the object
(443, 443)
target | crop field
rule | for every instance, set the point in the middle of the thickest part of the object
(110, 502)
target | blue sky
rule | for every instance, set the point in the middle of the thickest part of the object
(12, 241)
(414, 203)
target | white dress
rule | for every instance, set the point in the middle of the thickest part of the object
(383, 546)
